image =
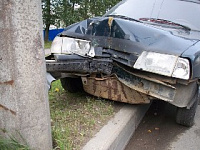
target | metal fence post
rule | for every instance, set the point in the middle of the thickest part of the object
(24, 107)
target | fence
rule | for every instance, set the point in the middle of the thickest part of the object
(53, 33)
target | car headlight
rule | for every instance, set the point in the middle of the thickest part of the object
(182, 69)
(66, 45)
(163, 64)
(56, 46)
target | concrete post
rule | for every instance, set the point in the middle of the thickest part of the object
(24, 107)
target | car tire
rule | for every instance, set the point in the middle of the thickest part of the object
(186, 116)
(72, 85)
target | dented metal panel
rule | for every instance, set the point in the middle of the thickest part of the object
(126, 39)
(80, 66)
(146, 85)
(112, 88)
(150, 88)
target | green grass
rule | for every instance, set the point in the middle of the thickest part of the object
(47, 45)
(76, 117)
(11, 144)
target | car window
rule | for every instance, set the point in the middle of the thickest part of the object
(184, 12)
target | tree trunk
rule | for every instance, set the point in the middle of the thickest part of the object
(48, 11)
(46, 38)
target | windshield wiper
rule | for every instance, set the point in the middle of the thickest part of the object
(123, 17)
(192, 1)
(163, 21)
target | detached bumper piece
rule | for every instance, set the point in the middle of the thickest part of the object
(146, 85)
(112, 88)
(78, 64)
(128, 87)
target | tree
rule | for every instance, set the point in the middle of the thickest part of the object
(68, 13)
(65, 12)
(49, 15)
(91, 8)
(99, 7)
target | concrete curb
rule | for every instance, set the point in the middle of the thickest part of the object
(117, 133)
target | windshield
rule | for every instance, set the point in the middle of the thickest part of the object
(184, 12)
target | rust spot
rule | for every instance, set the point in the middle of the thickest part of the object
(115, 87)
(111, 88)
(109, 91)
(119, 97)
(11, 82)
(123, 90)
(140, 84)
(7, 109)
(94, 87)
(147, 92)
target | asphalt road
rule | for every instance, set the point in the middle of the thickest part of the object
(158, 131)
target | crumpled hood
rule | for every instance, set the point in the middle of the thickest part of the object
(129, 36)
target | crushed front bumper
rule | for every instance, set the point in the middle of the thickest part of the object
(104, 78)
(79, 65)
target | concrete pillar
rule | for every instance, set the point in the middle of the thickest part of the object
(24, 107)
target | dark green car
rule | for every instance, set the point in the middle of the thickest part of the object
(139, 51)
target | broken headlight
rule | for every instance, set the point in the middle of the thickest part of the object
(182, 69)
(163, 64)
(56, 46)
(66, 45)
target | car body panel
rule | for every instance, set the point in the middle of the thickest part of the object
(141, 36)
(118, 42)
(112, 88)
(193, 53)
(128, 39)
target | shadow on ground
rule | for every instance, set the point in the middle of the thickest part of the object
(157, 129)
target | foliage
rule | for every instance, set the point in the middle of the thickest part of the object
(99, 7)
(11, 144)
(49, 15)
(66, 12)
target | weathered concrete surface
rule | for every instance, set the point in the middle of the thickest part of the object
(24, 108)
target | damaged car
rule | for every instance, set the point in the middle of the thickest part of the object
(139, 51)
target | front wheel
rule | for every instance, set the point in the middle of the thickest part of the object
(186, 116)
(72, 85)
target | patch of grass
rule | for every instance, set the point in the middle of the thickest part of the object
(11, 144)
(47, 45)
(76, 117)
